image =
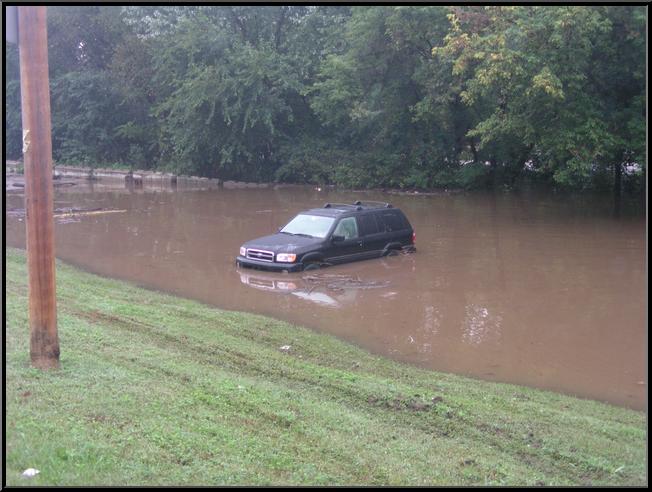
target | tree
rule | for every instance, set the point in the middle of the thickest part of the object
(133, 71)
(83, 37)
(85, 116)
(13, 123)
(400, 96)
(371, 97)
(539, 77)
(231, 90)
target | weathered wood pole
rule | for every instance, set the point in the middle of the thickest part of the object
(39, 208)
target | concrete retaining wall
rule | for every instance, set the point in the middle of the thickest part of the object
(142, 177)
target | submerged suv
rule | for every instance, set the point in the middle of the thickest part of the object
(336, 233)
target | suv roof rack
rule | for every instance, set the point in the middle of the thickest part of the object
(355, 206)
(370, 202)
(359, 205)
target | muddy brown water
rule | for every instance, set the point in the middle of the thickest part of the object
(532, 289)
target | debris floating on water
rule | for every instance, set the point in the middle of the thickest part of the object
(74, 212)
(339, 282)
(67, 212)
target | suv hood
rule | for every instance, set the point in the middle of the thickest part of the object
(283, 243)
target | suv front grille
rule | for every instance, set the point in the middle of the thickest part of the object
(259, 254)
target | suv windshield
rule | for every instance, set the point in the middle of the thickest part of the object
(309, 225)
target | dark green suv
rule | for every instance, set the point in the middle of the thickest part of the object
(336, 233)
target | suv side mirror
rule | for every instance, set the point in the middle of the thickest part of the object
(337, 239)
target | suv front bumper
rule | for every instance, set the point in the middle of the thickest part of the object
(241, 261)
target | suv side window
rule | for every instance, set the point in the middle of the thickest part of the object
(347, 228)
(368, 224)
(390, 221)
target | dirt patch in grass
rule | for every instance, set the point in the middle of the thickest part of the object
(403, 403)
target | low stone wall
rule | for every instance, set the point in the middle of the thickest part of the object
(123, 175)
(139, 177)
(197, 182)
(240, 184)
(12, 166)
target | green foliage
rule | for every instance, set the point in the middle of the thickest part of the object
(82, 37)
(308, 160)
(133, 70)
(400, 96)
(85, 116)
(560, 79)
(224, 118)
(473, 175)
(13, 123)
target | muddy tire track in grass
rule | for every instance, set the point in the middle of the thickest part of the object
(439, 418)
(340, 389)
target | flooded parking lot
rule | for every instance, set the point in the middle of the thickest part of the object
(540, 290)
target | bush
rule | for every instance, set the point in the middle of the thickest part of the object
(85, 116)
(473, 175)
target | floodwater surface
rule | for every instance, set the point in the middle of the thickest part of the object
(539, 290)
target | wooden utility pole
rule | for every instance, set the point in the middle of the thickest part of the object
(39, 208)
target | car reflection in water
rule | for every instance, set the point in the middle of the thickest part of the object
(328, 291)
(372, 279)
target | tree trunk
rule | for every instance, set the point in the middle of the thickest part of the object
(493, 166)
(618, 176)
(474, 151)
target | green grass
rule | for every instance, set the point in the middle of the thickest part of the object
(157, 390)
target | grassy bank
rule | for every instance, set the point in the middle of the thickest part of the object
(159, 390)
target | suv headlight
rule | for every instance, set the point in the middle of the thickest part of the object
(243, 251)
(286, 257)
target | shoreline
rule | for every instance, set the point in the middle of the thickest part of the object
(145, 177)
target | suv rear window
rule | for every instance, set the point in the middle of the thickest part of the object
(391, 221)
(368, 224)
